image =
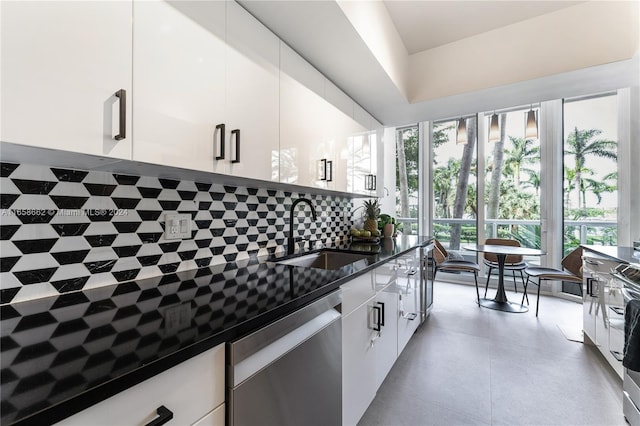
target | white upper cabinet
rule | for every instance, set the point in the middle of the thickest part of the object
(316, 125)
(179, 82)
(304, 144)
(252, 96)
(62, 64)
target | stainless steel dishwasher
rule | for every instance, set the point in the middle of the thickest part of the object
(289, 372)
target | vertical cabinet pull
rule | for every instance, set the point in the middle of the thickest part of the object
(220, 128)
(377, 325)
(326, 170)
(370, 182)
(382, 313)
(122, 116)
(164, 415)
(323, 169)
(236, 132)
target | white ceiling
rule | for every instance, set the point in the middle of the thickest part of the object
(424, 25)
(321, 32)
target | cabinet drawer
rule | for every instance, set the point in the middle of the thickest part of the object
(356, 292)
(190, 390)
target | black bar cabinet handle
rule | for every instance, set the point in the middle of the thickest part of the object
(377, 325)
(164, 415)
(236, 132)
(382, 314)
(221, 128)
(329, 174)
(122, 95)
(324, 169)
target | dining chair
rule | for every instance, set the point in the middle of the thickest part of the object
(512, 263)
(572, 272)
(444, 263)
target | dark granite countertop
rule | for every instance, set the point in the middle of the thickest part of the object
(62, 354)
(620, 254)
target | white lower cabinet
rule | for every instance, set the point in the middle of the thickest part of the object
(376, 325)
(408, 290)
(603, 319)
(214, 418)
(193, 391)
(386, 343)
(358, 362)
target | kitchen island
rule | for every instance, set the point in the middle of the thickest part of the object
(63, 354)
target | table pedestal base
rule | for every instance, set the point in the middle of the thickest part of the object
(503, 306)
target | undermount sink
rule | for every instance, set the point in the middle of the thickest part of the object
(325, 259)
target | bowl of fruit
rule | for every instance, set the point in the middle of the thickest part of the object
(370, 232)
(365, 235)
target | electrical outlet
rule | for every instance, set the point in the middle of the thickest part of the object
(177, 226)
(177, 317)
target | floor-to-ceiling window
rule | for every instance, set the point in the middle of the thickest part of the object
(512, 179)
(554, 191)
(454, 180)
(590, 171)
(590, 188)
(407, 180)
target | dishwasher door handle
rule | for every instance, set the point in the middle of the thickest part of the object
(275, 350)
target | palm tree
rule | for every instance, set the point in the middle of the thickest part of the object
(523, 152)
(609, 183)
(496, 171)
(583, 143)
(569, 176)
(463, 182)
(443, 181)
(533, 181)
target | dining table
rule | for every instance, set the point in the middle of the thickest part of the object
(500, 301)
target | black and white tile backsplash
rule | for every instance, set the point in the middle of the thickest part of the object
(64, 230)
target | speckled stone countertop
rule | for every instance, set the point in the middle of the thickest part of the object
(62, 354)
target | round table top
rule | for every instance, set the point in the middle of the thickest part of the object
(500, 249)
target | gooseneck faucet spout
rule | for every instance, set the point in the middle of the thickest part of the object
(291, 240)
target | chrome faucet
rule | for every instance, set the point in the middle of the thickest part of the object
(291, 240)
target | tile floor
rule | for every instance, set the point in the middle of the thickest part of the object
(473, 366)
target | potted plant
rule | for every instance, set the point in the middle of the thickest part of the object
(387, 225)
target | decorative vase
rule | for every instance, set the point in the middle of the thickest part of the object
(388, 230)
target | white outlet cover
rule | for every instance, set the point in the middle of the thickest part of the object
(177, 226)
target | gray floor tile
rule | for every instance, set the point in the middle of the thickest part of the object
(473, 366)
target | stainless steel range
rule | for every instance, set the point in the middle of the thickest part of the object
(629, 277)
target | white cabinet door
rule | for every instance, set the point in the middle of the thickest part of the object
(408, 306)
(252, 96)
(361, 162)
(214, 418)
(304, 140)
(62, 63)
(318, 132)
(589, 306)
(358, 362)
(386, 345)
(339, 128)
(190, 390)
(179, 82)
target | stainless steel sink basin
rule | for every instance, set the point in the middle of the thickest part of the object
(325, 259)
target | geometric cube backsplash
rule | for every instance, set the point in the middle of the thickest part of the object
(65, 230)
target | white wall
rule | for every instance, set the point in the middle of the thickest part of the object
(591, 33)
(373, 23)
